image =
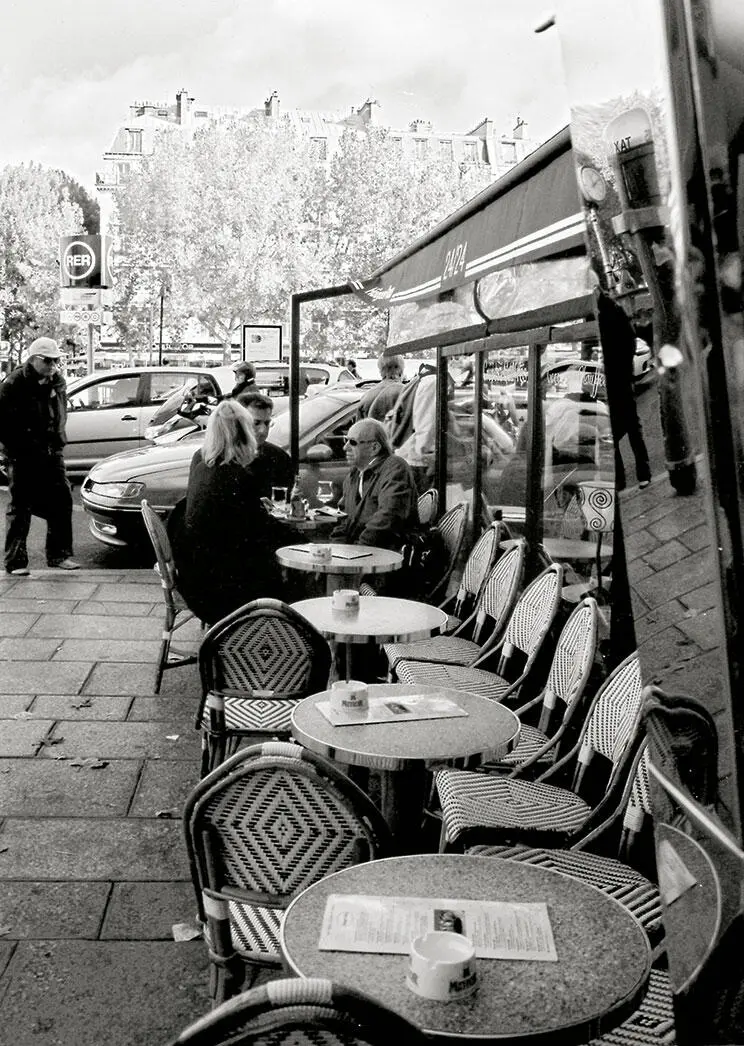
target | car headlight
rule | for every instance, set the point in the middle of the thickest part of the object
(128, 489)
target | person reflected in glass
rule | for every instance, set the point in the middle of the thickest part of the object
(225, 541)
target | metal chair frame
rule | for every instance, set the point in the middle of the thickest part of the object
(452, 527)
(256, 665)
(427, 506)
(177, 613)
(267, 823)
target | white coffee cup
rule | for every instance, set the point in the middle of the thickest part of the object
(320, 553)
(345, 599)
(442, 966)
(349, 697)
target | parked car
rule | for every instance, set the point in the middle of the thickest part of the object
(112, 491)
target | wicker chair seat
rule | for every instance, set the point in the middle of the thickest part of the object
(531, 740)
(255, 931)
(453, 677)
(653, 1022)
(618, 880)
(443, 650)
(496, 806)
(256, 714)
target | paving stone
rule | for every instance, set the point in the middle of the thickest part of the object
(6, 952)
(87, 848)
(126, 740)
(661, 557)
(129, 593)
(64, 588)
(109, 650)
(702, 598)
(16, 624)
(46, 911)
(89, 626)
(148, 911)
(705, 629)
(163, 706)
(660, 618)
(679, 522)
(22, 648)
(103, 992)
(182, 681)
(12, 704)
(639, 543)
(80, 706)
(693, 572)
(37, 606)
(55, 788)
(19, 737)
(89, 607)
(19, 677)
(698, 538)
(118, 678)
(164, 785)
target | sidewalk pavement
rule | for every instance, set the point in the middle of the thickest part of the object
(94, 770)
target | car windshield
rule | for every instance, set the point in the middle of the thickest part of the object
(171, 406)
(313, 412)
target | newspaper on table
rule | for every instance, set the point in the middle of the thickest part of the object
(387, 925)
(393, 709)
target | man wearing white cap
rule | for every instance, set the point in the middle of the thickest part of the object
(33, 412)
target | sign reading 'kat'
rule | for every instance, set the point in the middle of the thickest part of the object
(85, 261)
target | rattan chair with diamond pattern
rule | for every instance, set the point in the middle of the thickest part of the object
(427, 507)
(482, 630)
(560, 702)
(514, 656)
(255, 665)
(300, 1011)
(263, 826)
(176, 611)
(482, 807)
(452, 526)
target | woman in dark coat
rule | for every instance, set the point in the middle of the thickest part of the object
(224, 544)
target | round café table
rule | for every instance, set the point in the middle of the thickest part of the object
(347, 565)
(379, 619)
(402, 752)
(599, 979)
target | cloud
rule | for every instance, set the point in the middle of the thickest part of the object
(70, 72)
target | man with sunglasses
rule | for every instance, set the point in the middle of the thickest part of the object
(33, 413)
(379, 495)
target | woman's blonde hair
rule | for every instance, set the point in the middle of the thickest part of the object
(230, 435)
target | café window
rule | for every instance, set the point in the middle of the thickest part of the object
(421, 146)
(135, 141)
(445, 149)
(470, 152)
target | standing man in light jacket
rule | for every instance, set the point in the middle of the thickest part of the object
(33, 414)
(379, 495)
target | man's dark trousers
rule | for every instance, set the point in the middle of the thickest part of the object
(38, 485)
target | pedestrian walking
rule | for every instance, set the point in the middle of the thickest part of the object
(33, 412)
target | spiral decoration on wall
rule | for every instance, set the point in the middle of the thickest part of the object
(597, 502)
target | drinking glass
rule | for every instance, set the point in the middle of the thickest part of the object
(279, 498)
(325, 491)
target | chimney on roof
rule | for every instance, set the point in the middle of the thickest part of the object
(184, 113)
(271, 105)
(367, 111)
(519, 127)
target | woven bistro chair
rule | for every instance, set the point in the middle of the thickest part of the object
(427, 507)
(262, 827)
(482, 807)
(255, 665)
(482, 557)
(560, 700)
(480, 632)
(515, 655)
(452, 527)
(176, 612)
(300, 1011)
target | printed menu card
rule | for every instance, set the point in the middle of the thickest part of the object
(498, 929)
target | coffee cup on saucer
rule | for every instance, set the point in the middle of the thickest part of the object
(441, 966)
(346, 599)
(320, 553)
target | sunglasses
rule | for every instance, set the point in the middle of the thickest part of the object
(49, 359)
(356, 442)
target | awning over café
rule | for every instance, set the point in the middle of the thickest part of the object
(533, 212)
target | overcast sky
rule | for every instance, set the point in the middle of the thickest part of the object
(70, 70)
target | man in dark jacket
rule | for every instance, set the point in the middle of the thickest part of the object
(379, 493)
(272, 466)
(33, 412)
(245, 378)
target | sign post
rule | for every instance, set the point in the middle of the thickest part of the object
(86, 273)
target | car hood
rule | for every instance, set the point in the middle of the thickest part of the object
(135, 464)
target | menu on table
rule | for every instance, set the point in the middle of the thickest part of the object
(393, 709)
(387, 925)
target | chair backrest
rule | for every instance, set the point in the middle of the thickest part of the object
(264, 646)
(452, 527)
(498, 597)
(161, 546)
(277, 1013)
(475, 572)
(273, 819)
(530, 622)
(427, 506)
(684, 739)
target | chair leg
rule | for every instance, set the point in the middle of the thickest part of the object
(162, 661)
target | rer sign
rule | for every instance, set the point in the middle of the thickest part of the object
(83, 261)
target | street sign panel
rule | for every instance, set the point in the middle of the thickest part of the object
(72, 296)
(81, 317)
(84, 261)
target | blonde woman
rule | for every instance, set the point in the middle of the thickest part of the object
(224, 545)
